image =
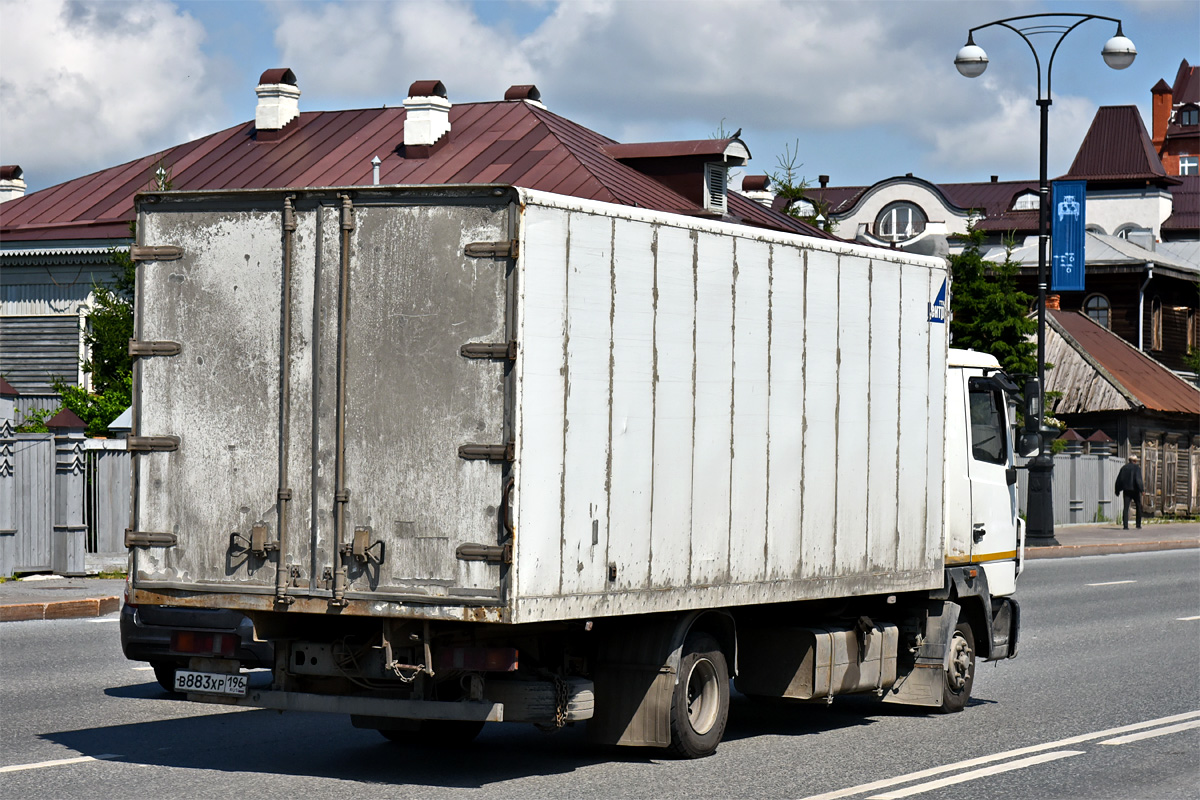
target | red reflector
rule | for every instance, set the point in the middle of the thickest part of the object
(477, 659)
(204, 644)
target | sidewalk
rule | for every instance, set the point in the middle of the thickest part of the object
(54, 597)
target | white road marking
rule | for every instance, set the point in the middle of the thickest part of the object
(59, 762)
(1137, 737)
(141, 669)
(106, 619)
(978, 773)
(1109, 583)
(1021, 751)
(1187, 619)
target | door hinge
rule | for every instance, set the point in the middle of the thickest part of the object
(146, 444)
(506, 350)
(147, 539)
(493, 554)
(140, 349)
(510, 248)
(488, 452)
(141, 252)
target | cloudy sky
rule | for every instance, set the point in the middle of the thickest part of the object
(863, 90)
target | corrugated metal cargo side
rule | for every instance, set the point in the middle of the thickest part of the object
(380, 298)
(710, 415)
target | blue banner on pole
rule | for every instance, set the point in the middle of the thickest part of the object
(1067, 227)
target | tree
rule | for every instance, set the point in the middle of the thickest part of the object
(110, 327)
(988, 313)
(790, 184)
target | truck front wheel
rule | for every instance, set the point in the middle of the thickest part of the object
(960, 674)
(700, 703)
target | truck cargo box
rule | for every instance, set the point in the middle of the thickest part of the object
(495, 404)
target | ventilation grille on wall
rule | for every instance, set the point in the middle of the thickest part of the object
(716, 184)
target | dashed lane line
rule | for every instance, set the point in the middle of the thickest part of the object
(1021, 751)
(1137, 737)
(1109, 583)
(977, 773)
(59, 762)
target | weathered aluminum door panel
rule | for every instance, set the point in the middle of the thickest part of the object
(220, 395)
(412, 398)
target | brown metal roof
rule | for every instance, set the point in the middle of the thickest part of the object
(1132, 372)
(507, 142)
(6, 389)
(1185, 206)
(1187, 84)
(1118, 149)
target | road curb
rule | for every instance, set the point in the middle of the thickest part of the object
(60, 609)
(1073, 550)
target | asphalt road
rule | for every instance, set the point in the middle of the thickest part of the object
(1103, 702)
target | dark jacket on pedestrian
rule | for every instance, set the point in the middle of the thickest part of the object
(1129, 479)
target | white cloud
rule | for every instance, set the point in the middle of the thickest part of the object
(84, 85)
(1007, 136)
(372, 52)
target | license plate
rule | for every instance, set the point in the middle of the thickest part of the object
(210, 683)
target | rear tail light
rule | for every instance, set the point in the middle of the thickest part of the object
(199, 643)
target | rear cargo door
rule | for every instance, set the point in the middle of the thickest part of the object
(321, 393)
(424, 359)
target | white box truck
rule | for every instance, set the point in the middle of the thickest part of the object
(469, 454)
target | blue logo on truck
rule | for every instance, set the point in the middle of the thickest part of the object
(937, 309)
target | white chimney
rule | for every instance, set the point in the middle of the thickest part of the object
(427, 117)
(278, 100)
(12, 185)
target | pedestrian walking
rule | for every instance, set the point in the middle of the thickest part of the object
(1129, 483)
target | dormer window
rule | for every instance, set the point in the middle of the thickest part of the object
(1188, 115)
(900, 221)
(716, 187)
(1027, 201)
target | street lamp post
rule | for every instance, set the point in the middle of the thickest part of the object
(971, 61)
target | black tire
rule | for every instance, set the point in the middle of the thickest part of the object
(960, 676)
(436, 733)
(164, 673)
(700, 703)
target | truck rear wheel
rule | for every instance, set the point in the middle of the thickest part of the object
(960, 675)
(436, 733)
(700, 703)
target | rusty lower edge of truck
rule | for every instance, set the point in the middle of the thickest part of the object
(478, 711)
(439, 609)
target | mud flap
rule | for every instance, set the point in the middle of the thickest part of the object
(634, 681)
(1006, 628)
(923, 686)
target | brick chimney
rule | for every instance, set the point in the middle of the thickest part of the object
(1160, 114)
(12, 184)
(427, 118)
(278, 100)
